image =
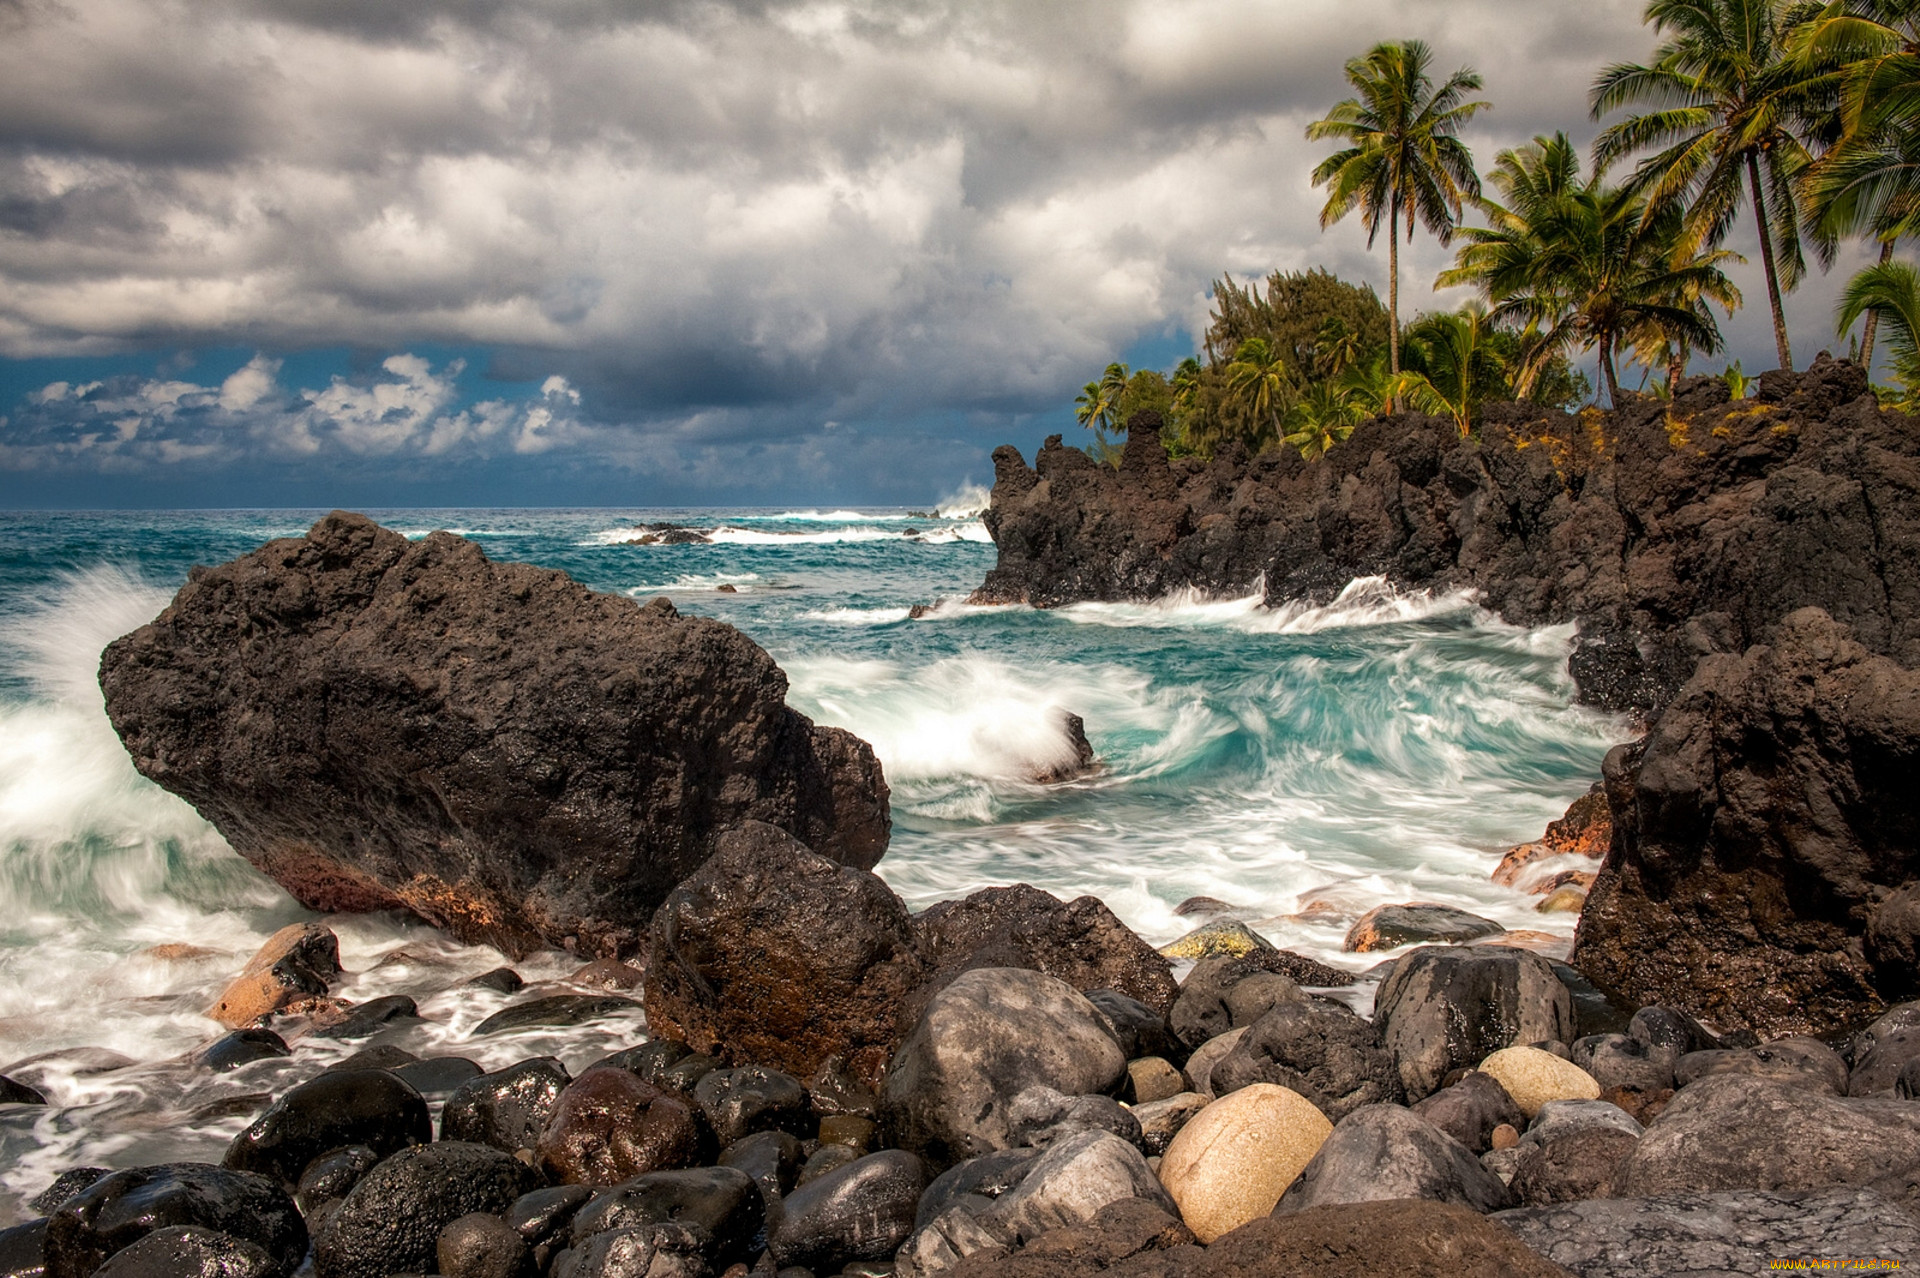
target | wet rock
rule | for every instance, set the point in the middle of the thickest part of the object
(608, 974)
(481, 1246)
(1876, 1072)
(1127, 1227)
(1705, 1234)
(1318, 1048)
(1077, 758)
(1565, 898)
(64, 1186)
(1081, 942)
(849, 1130)
(983, 1039)
(1040, 1116)
(117, 1211)
(1379, 1152)
(1222, 938)
(824, 1161)
(375, 1056)
(188, 1251)
(368, 1107)
(296, 962)
(1073, 1180)
(1668, 1034)
(1367, 1240)
(863, 1211)
(508, 1108)
(1233, 1160)
(23, 1250)
(749, 1099)
(372, 1016)
(1620, 1060)
(1138, 1029)
(772, 954)
(1584, 1163)
(1202, 907)
(1207, 1057)
(1152, 1078)
(722, 1204)
(231, 1051)
(332, 1176)
(585, 748)
(1787, 1059)
(661, 1250)
(391, 1221)
(1585, 831)
(1533, 1077)
(544, 1214)
(773, 1159)
(1388, 927)
(1227, 994)
(1160, 1121)
(438, 1075)
(1472, 1110)
(503, 980)
(1442, 1008)
(555, 1009)
(1742, 1132)
(608, 1126)
(12, 1093)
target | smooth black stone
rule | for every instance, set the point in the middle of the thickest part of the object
(188, 1251)
(64, 1186)
(119, 1210)
(650, 1061)
(538, 1216)
(23, 1250)
(1139, 1029)
(557, 1009)
(826, 1159)
(332, 1176)
(438, 1073)
(739, 1102)
(685, 1074)
(988, 1176)
(391, 1222)
(507, 1109)
(13, 1093)
(377, 1056)
(722, 1201)
(773, 1159)
(503, 979)
(861, 1212)
(367, 1107)
(372, 1016)
(481, 1246)
(243, 1047)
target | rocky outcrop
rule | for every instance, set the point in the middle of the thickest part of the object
(1765, 834)
(379, 724)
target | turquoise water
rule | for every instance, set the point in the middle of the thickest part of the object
(1381, 748)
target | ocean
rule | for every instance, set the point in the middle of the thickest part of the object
(1384, 747)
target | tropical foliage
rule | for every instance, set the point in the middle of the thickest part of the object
(1891, 291)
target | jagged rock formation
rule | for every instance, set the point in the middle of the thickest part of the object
(1666, 530)
(378, 724)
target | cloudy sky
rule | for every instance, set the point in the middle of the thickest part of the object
(320, 252)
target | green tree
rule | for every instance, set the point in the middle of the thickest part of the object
(1403, 159)
(1260, 381)
(1890, 290)
(1290, 314)
(1323, 416)
(1454, 366)
(1572, 263)
(1723, 132)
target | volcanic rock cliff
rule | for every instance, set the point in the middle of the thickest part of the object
(382, 724)
(1745, 576)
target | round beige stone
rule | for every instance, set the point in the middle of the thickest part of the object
(1234, 1159)
(1533, 1077)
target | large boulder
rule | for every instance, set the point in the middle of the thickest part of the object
(1379, 1152)
(1080, 941)
(774, 954)
(365, 1107)
(1763, 833)
(1321, 1049)
(391, 1221)
(119, 1210)
(862, 1211)
(1445, 1007)
(609, 1126)
(384, 724)
(1368, 1240)
(984, 1039)
(1235, 1158)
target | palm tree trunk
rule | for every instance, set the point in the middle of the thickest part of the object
(1393, 292)
(1676, 367)
(1873, 319)
(1780, 344)
(1607, 378)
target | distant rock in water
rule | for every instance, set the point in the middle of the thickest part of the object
(380, 724)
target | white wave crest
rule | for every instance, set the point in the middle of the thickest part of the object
(728, 535)
(1365, 601)
(974, 531)
(824, 517)
(859, 616)
(969, 503)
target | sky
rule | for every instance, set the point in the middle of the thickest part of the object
(654, 252)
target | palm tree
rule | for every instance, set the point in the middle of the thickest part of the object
(1890, 290)
(1098, 404)
(1458, 367)
(1403, 158)
(1260, 380)
(1323, 417)
(1572, 263)
(1728, 102)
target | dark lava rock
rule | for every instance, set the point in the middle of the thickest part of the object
(824, 1161)
(1443, 1008)
(749, 1099)
(771, 953)
(1388, 927)
(1379, 1152)
(1124, 1228)
(64, 1186)
(544, 1214)
(188, 1251)
(556, 1009)
(1080, 941)
(1620, 1060)
(117, 1211)
(651, 1060)
(1368, 1240)
(481, 1246)
(372, 1016)
(1742, 1132)
(1202, 1010)
(230, 1052)
(1711, 1234)
(1877, 1070)
(608, 1126)
(332, 1176)
(375, 1056)
(663, 1250)
(391, 1222)
(863, 1211)
(502, 979)
(985, 1038)
(1138, 1029)
(1584, 1163)
(1039, 1116)
(1320, 1049)
(507, 1109)
(773, 1159)
(369, 1107)
(1788, 1059)
(722, 1203)
(438, 1074)
(983, 1179)
(1470, 1109)
(23, 1250)
(1758, 829)
(1668, 1035)
(584, 748)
